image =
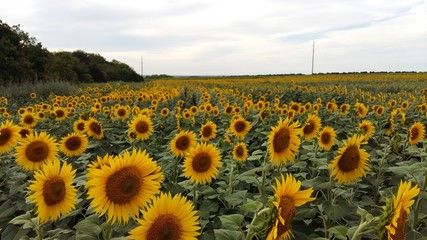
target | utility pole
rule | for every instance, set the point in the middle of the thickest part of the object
(312, 61)
(142, 67)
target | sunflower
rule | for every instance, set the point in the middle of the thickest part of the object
(389, 126)
(94, 128)
(239, 126)
(53, 191)
(327, 138)
(344, 109)
(208, 131)
(28, 120)
(74, 144)
(142, 126)
(164, 112)
(361, 110)
(25, 132)
(124, 186)
(312, 126)
(60, 113)
(240, 152)
(202, 163)
(35, 150)
(284, 141)
(9, 136)
(98, 164)
(351, 162)
(122, 112)
(168, 217)
(368, 129)
(287, 197)
(416, 133)
(79, 126)
(182, 142)
(395, 213)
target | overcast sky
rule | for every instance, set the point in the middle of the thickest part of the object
(233, 37)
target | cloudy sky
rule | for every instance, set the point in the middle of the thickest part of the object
(233, 37)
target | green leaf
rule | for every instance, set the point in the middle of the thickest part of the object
(88, 226)
(21, 219)
(339, 232)
(232, 221)
(251, 206)
(223, 234)
(236, 198)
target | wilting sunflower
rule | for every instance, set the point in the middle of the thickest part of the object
(53, 191)
(35, 150)
(124, 186)
(395, 213)
(28, 120)
(208, 131)
(367, 128)
(287, 197)
(94, 128)
(239, 126)
(202, 163)
(351, 162)
(327, 138)
(168, 217)
(284, 141)
(74, 144)
(182, 142)
(312, 126)
(416, 133)
(240, 152)
(142, 126)
(79, 126)
(9, 136)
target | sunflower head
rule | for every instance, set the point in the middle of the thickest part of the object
(240, 152)
(327, 138)
(284, 141)
(239, 126)
(416, 133)
(94, 128)
(9, 136)
(367, 128)
(202, 163)
(208, 131)
(312, 126)
(351, 162)
(28, 119)
(142, 126)
(35, 150)
(182, 143)
(74, 144)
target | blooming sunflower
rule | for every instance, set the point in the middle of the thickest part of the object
(202, 163)
(98, 164)
(240, 152)
(74, 144)
(24, 132)
(368, 129)
(53, 191)
(9, 136)
(182, 143)
(142, 126)
(168, 218)
(284, 141)
(312, 126)
(60, 113)
(208, 131)
(239, 126)
(94, 128)
(327, 138)
(79, 126)
(28, 120)
(124, 186)
(416, 133)
(351, 162)
(35, 150)
(395, 213)
(361, 110)
(344, 109)
(287, 197)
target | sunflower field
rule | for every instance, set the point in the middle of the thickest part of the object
(339, 156)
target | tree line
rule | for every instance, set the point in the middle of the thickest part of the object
(24, 59)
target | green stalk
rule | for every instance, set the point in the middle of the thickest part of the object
(418, 202)
(230, 179)
(357, 234)
(40, 231)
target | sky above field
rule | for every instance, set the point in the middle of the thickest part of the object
(233, 37)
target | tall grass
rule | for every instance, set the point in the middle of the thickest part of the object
(43, 89)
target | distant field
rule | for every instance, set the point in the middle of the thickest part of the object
(337, 156)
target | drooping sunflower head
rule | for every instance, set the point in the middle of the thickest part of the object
(287, 197)
(182, 143)
(142, 126)
(312, 126)
(284, 141)
(202, 163)
(240, 127)
(172, 218)
(94, 128)
(351, 162)
(123, 187)
(9, 136)
(208, 131)
(240, 152)
(35, 150)
(397, 215)
(367, 128)
(416, 133)
(53, 191)
(327, 138)
(74, 144)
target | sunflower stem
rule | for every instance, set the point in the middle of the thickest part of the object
(195, 195)
(40, 231)
(359, 231)
(107, 231)
(230, 180)
(418, 202)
